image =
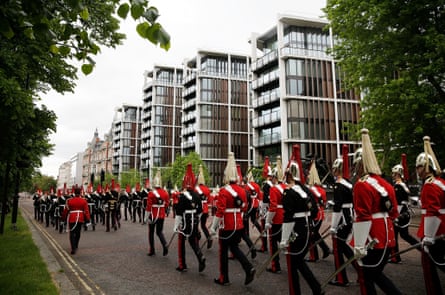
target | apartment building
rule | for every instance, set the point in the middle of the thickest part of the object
(215, 110)
(97, 157)
(126, 136)
(298, 96)
(161, 118)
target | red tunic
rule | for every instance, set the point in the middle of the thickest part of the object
(256, 194)
(320, 196)
(157, 202)
(227, 209)
(432, 198)
(276, 205)
(367, 205)
(204, 192)
(76, 210)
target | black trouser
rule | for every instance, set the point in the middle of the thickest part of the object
(230, 239)
(316, 237)
(404, 234)
(203, 221)
(296, 263)
(245, 233)
(430, 274)
(75, 230)
(194, 244)
(274, 240)
(373, 264)
(158, 225)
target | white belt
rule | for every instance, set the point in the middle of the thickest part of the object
(280, 206)
(441, 211)
(193, 211)
(347, 205)
(301, 214)
(76, 211)
(253, 196)
(380, 215)
(232, 210)
(158, 206)
(204, 202)
(136, 200)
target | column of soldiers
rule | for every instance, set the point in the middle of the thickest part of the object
(287, 212)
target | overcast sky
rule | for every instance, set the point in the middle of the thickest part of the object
(220, 25)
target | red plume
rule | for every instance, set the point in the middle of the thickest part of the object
(296, 156)
(113, 184)
(128, 188)
(240, 174)
(189, 178)
(266, 167)
(405, 168)
(345, 151)
(147, 183)
(64, 188)
(138, 187)
(99, 188)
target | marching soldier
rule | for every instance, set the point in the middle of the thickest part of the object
(228, 223)
(136, 203)
(188, 211)
(274, 217)
(144, 197)
(204, 193)
(36, 203)
(76, 213)
(264, 204)
(58, 210)
(111, 199)
(297, 204)
(402, 222)
(432, 224)
(342, 218)
(320, 196)
(375, 205)
(157, 203)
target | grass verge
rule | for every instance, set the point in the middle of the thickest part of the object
(22, 269)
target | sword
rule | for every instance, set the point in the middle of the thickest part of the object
(171, 239)
(324, 235)
(203, 244)
(348, 262)
(415, 246)
(256, 241)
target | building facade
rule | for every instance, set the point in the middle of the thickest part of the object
(126, 136)
(297, 92)
(215, 110)
(97, 157)
(161, 118)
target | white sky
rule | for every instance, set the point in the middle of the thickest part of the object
(220, 25)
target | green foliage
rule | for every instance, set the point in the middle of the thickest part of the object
(22, 270)
(174, 175)
(43, 182)
(393, 51)
(130, 177)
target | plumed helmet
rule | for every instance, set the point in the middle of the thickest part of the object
(425, 160)
(428, 159)
(357, 157)
(201, 179)
(157, 181)
(278, 170)
(369, 160)
(294, 171)
(231, 173)
(189, 180)
(267, 170)
(313, 177)
(338, 164)
(397, 169)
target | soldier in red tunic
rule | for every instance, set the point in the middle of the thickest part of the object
(157, 203)
(432, 224)
(274, 217)
(228, 222)
(76, 213)
(320, 196)
(375, 205)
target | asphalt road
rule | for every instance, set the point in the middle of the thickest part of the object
(116, 262)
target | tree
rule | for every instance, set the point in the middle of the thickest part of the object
(393, 52)
(38, 42)
(175, 174)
